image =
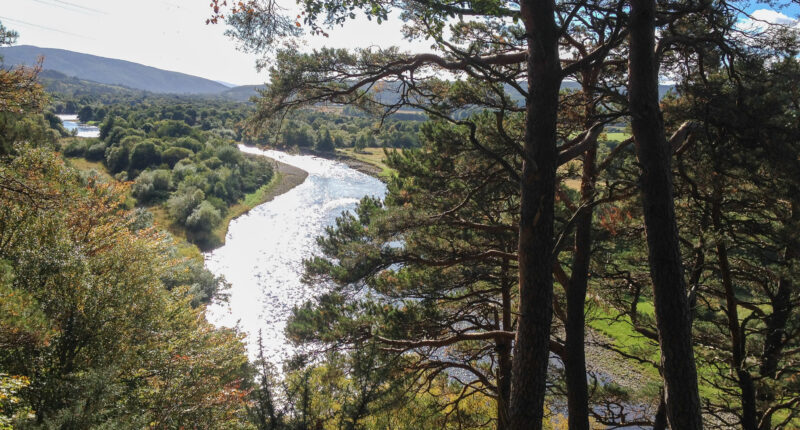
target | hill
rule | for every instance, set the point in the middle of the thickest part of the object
(242, 93)
(111, 71)
(59, 83)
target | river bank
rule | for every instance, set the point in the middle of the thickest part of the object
(262, 259)
(359, 165)
(285, 178)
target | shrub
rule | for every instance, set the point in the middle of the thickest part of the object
(76, 148)
(204, 218)
(172, 155)
(182, 204)
(145, 154)
(229, 155)
(117, 158)
(152, 186)
(96, 152)
(189, 143)
(173, 128)
(212, 163)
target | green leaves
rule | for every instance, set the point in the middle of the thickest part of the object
(86, 317)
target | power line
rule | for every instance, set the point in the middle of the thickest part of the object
(44, 27)
(72, 7)
(81, 7)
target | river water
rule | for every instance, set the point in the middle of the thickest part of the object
(264, 249)
(71, 123)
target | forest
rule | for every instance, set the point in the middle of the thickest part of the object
(562, 245)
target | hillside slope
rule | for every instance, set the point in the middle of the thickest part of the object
(111, 71)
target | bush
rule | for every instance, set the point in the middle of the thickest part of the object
(229, 155)
(117, 158)
(203, 284)
(152, 186)
(204, 218)
(182, 204)
(76, 148)
(145, 154)
(225, 133)
(212, 163)
(183, 169)
(324, 141)
(172, 155)
(96, 152)
(189, 143)
(172, 128)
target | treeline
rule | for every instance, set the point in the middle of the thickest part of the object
(144, 109)
(323, 130)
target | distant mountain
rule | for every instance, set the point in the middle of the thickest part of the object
(227, 84)
(242, 93)
(57, 82)
(111, 71)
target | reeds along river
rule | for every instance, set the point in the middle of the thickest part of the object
(262, 258)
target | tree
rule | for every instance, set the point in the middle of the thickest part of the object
(7, 36)
(743, 216)
(535, 58)
(21, 96)
(85, 114)
(669, 285)
(324, 141)
(494, 50)
(101, 342)
(442, 301)
(144, 154)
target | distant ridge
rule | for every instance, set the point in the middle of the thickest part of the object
(242, 93)
(111, 71)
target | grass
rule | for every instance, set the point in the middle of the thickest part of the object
(90, 166)
(615, 136)
(627, 340)
(249, 201)
(373, 156)
(163, 221)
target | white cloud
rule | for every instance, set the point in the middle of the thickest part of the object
(774, 17)
(761, 18)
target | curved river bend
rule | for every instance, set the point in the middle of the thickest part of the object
(263, 254)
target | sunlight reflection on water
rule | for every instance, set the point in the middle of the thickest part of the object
(264, 250)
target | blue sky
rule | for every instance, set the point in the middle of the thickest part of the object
(172, 34)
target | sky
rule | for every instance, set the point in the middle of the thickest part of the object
(167, 34)
(173, 35)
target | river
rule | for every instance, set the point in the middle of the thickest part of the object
(264, 249)
(71, 123)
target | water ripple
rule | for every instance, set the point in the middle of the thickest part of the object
(263, 252)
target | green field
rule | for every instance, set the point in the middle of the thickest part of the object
(373, 156)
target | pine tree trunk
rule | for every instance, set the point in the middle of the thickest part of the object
(531, 353)
(504, 351)
(669, 286)
(743, 378)
(575, 360)
(781, 300)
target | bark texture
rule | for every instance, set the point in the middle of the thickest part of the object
(672, 310)
(531, 353)
(575, 325)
